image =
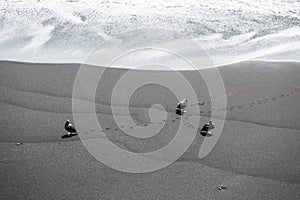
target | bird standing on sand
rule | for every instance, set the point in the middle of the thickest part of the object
(205, 129)
(182, 104)
(70, 128)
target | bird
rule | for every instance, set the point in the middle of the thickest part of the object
(70, 128)
(206, 128)
(182, 104)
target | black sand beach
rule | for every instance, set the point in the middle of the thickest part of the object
(256, 157)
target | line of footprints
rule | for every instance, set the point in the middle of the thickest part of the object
(252, 104)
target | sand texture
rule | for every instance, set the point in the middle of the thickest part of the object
(256, 157)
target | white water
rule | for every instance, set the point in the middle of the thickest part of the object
(229, 31)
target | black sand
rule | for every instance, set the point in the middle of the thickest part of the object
(257, 156)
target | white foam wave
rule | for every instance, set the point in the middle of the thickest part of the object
(40, 37)
(229, 31)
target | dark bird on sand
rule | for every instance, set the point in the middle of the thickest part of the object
(205, 131)
(70, 128)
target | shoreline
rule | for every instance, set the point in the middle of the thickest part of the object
(254, 60)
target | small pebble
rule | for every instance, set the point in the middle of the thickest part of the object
(222, 188)
(19, 143)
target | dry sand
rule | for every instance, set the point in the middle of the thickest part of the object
(256, 157)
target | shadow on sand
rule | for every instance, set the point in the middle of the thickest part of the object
(69, 135)
(179, 112)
